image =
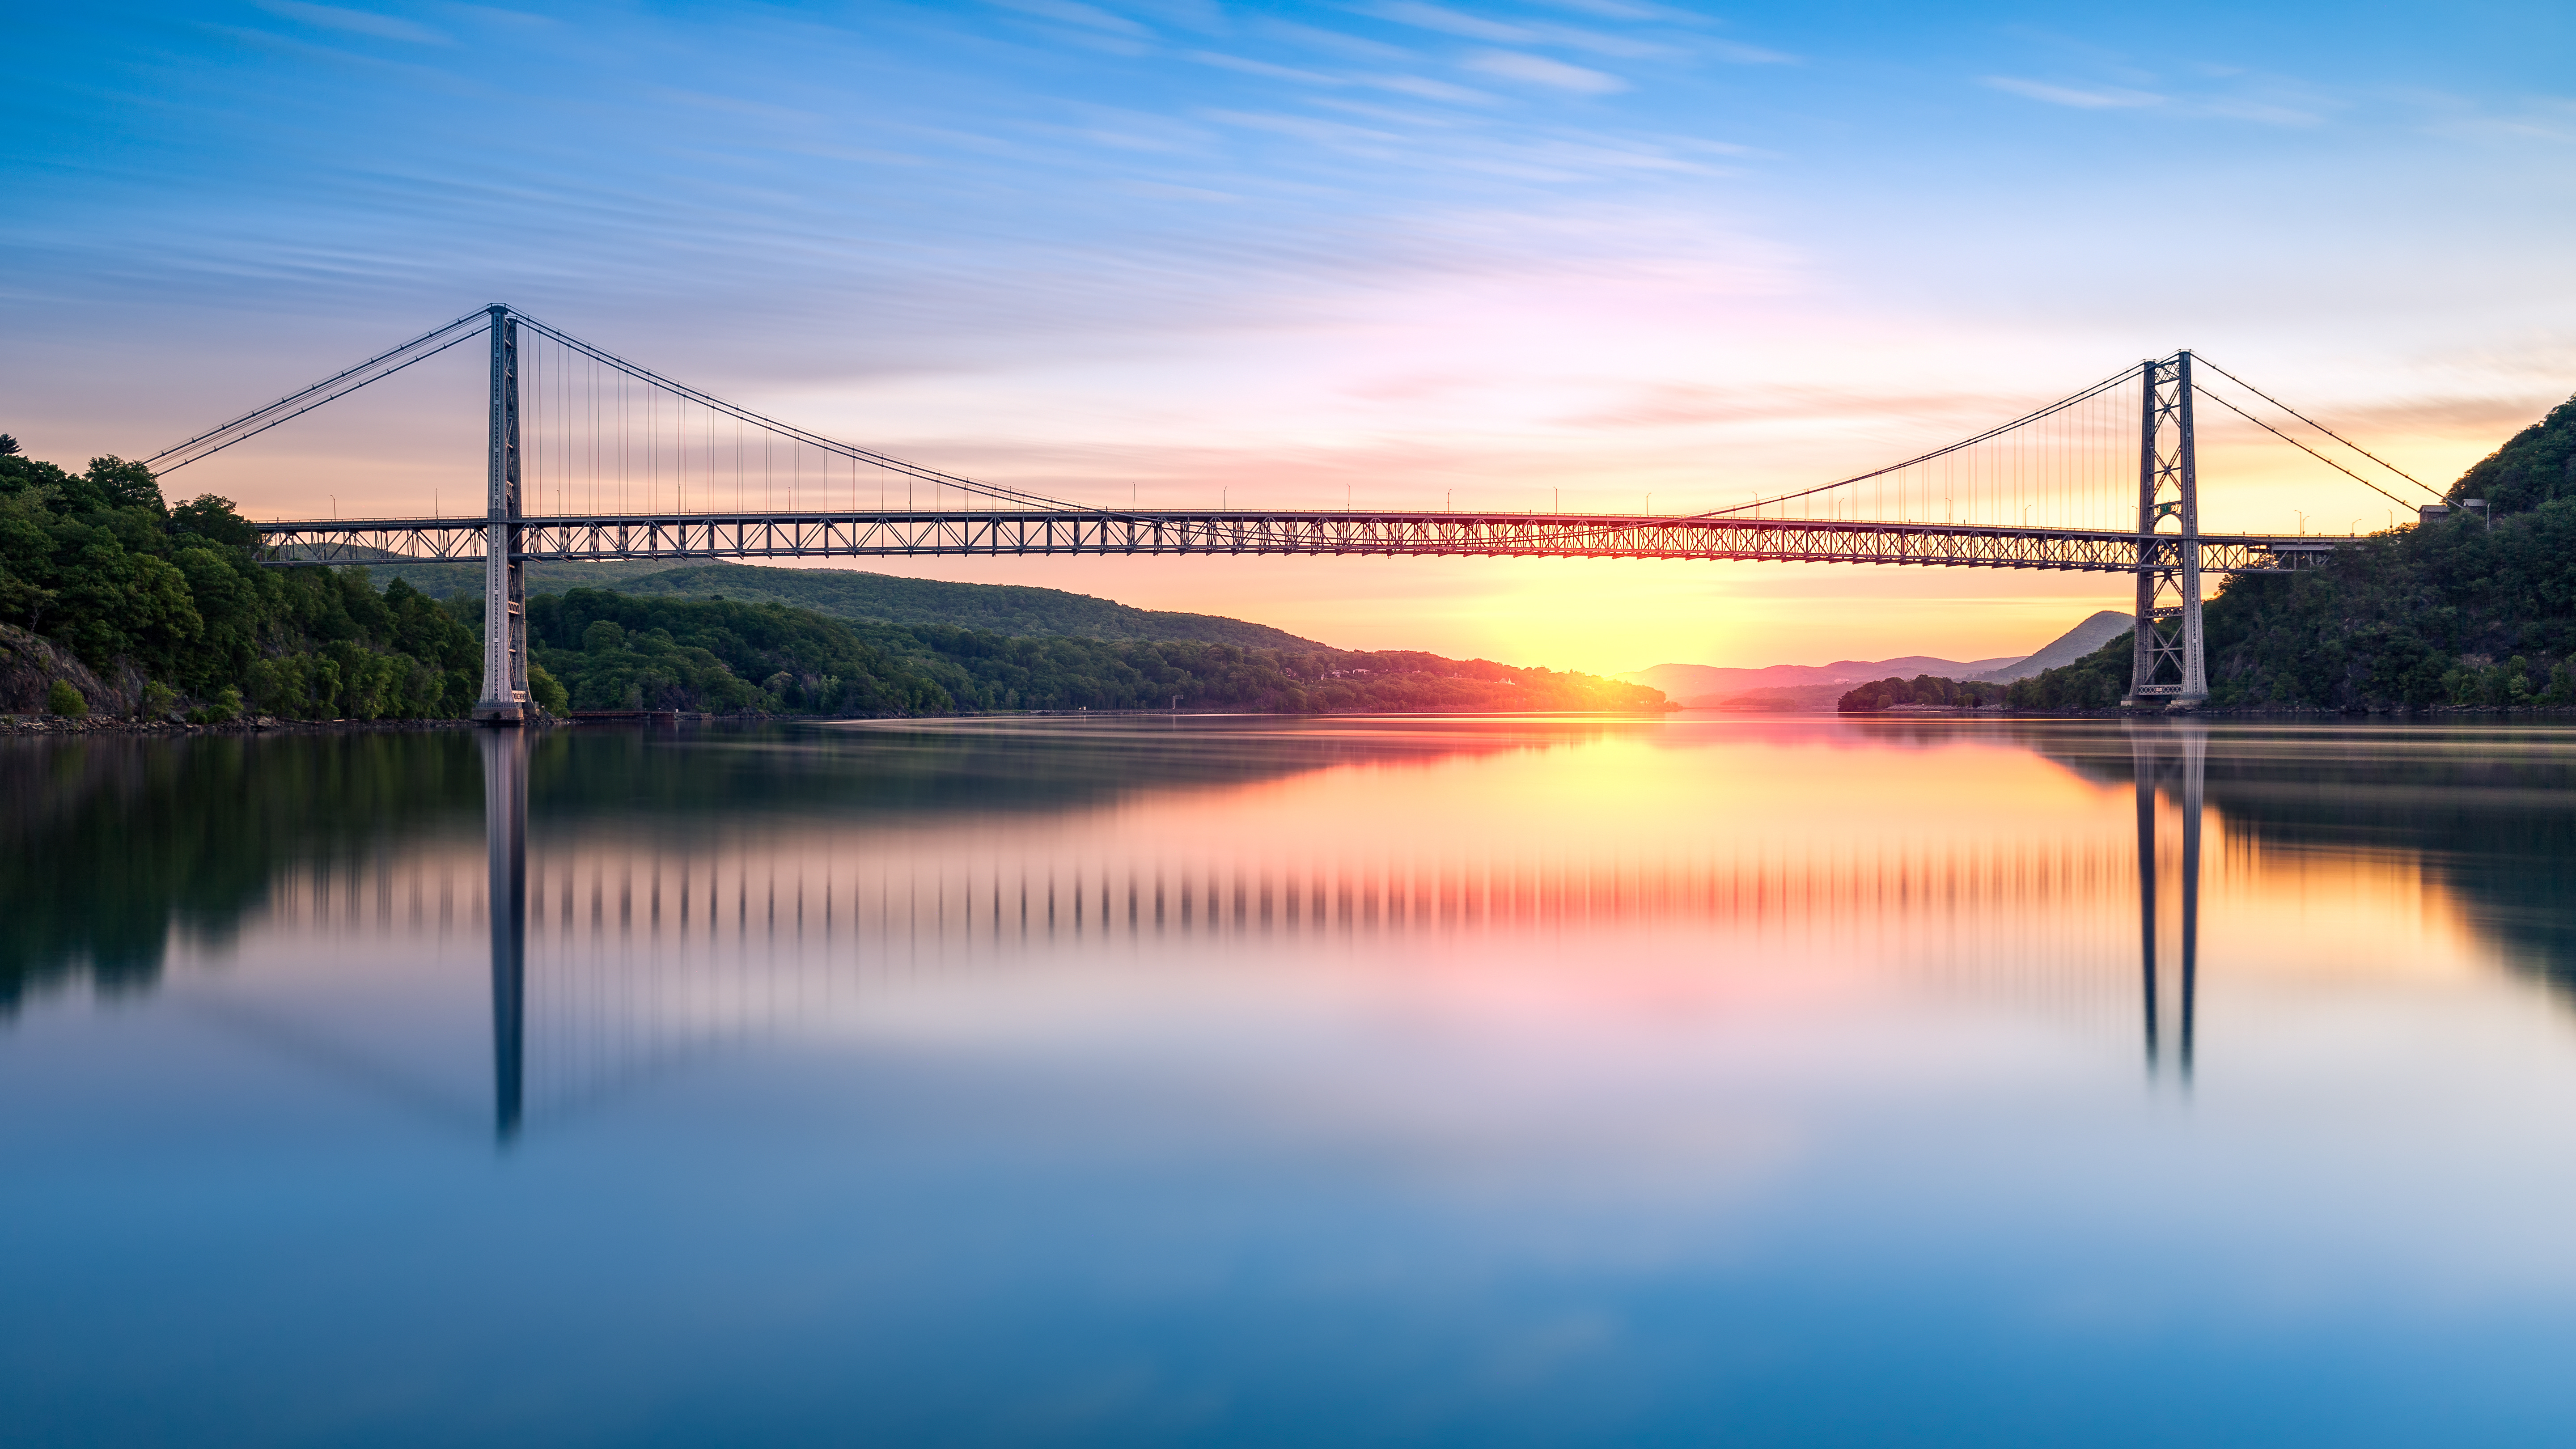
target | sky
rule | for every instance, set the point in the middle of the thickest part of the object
(1615, 253)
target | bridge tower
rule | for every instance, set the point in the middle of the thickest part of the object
(2168, 666)
(505, 615)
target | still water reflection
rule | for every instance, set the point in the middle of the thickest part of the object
(1247, 1081)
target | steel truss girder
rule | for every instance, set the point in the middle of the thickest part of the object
(1016, 532)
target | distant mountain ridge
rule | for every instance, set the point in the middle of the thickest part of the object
(1804, 685)
(848, 594)
(1691, 683)
(2096, 630)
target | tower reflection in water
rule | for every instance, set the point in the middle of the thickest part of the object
(659, 961)
(505, 836)
(2171, 756)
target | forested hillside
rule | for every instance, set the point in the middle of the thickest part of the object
(1923, 689)
(167, 613)
(2460, 610)
(852, 594)
(616, 651)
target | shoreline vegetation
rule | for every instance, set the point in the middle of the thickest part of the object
(116, 605)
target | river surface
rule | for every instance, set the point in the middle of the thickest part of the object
(1691, 1081)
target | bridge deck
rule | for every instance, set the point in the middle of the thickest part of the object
(999, 532)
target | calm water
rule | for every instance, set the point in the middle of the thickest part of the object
(1472, 1082)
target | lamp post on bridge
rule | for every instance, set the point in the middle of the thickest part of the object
(505, 616)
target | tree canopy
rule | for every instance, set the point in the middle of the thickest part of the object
(615, 651)
(1922, 689)
(100, 565)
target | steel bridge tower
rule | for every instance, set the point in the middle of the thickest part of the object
(2168, 665)
(505, 612)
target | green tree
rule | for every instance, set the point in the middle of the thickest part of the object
(550, 694)
(95, 562)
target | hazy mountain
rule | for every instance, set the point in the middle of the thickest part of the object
(1692, 683)
(1800, 686)
(2066, 648)
(1779, 698)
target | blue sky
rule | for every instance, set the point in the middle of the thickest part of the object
(1412, 250)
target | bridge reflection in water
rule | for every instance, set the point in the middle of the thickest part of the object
(505, 834)
(2172, 757)
(652, 947)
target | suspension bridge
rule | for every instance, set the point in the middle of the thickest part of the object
(594, 457)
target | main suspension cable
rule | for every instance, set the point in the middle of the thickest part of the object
(2061, 405)
(2320, 427)
(478, 318)
(856, 454)
(2302, 447)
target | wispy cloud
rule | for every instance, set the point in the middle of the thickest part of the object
(1541, 71)
(1445, 21)
(1074, 12)
(785, 116)
(356, 22)
(1622, 10)
(1143, 132)
(2545, 118)
(1424, 87)
(2270, 103)
(1318, 38)
(1663, 405)
(1206, 16)
(1451, 146)
(1421, 87)
(1452, 22)
(1359, 140)
(1170, 191)
(1630, 10)
(2100, 99)
(1743, 54)
(1264, 68)
(2269, 113)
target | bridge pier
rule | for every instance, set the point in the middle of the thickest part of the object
(2168, 666)
(505, 619)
